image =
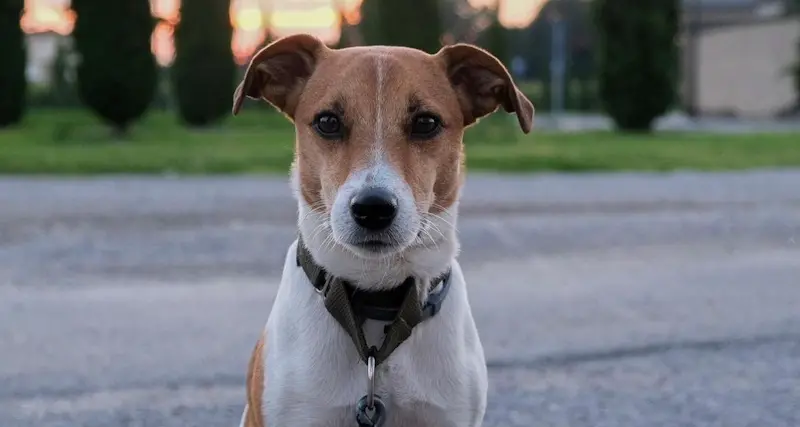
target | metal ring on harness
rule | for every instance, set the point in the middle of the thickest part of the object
(370, 382)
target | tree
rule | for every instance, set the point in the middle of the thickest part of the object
(393, 22)
(796, 73)
(204, 72)
(12, 73)
(460, 19)
(349, 33)
(495, 38)
(117, 73)
(795, 10)
(638, 59)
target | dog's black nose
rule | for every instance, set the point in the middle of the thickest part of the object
(373, 208)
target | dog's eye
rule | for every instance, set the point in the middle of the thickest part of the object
(425, 126)
(328, 125)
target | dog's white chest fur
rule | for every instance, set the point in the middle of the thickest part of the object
(313, 375)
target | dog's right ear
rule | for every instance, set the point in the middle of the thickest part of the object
(279, 71)
(483, 84)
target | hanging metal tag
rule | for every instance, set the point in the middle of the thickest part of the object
(370, 410)
(370, 417)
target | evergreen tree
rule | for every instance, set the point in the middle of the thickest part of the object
(495, 38)
(796, 74)
(350, 34)
(204, 73)
(370, 24)
(117, 72)
(397, 23)
(795, 10)
(12, 73)
(638, 59)
(459, 18)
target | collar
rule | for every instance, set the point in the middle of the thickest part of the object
(382, 305)
(399, 305)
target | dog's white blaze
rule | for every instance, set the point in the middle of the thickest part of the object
(378, 146)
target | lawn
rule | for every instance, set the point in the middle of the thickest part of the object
(260, 141)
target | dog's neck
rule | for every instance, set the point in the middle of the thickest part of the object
(423, 261)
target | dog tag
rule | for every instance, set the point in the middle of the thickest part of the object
(370, 417)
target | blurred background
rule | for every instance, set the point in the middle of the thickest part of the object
(633, 261)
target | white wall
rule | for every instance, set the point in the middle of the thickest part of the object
(744, 69)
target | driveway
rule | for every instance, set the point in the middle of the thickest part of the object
(625, 300)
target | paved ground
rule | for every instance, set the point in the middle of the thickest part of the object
(603, 301)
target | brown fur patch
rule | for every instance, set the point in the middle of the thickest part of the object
(255, 387)
(378, 90)
(483, 84)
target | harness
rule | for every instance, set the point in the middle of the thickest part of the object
(350, 307)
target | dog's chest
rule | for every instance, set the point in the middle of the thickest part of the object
(314, 376)
(415, 394)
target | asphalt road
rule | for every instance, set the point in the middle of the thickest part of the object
(602, 300)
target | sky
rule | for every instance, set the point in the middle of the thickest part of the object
(250, 17)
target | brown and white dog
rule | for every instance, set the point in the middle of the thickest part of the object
(377, 175)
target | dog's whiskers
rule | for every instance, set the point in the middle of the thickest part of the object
(314, 210)
(328, 243)
(442, 217)
(318, 229)
(432, 239)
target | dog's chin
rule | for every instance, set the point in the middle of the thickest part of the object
(375, 248)
(372, 249)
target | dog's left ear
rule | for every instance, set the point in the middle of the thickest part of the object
(483, 84)
(278, 73)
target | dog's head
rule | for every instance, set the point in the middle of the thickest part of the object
(379, 134)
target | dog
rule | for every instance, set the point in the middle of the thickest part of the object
(371, 324)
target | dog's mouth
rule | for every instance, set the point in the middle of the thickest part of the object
(386, 244)
(375, 246)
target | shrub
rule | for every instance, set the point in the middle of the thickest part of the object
(495, 39)
(796, 70)
(393, 22)
(117, 72)
(204, 72)
(638, 59)
(12, 73)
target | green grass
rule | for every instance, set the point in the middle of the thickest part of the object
(258, 141)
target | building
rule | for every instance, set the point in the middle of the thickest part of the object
(737, 56)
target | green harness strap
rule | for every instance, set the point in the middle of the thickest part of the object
(339, 304)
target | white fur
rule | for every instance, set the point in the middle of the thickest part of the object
(380, 76)
(428, 254)
(313, 375)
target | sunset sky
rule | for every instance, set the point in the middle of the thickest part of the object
(250, 17)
